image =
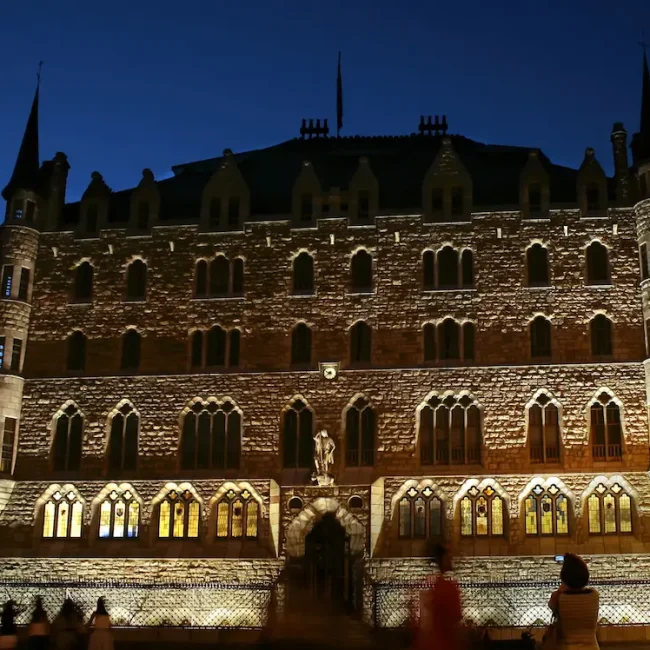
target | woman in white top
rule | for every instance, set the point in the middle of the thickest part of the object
(101, 636)
(575, 607)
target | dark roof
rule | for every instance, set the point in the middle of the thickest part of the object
(398, 162)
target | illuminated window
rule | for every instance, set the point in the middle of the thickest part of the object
(540, 338)
(297, 439)
(123, 440)
(361, 272)
(179, 516)
(301, 345)
(450, 431)
(131, 345)
(597, 260)
(62, 516)
(537, 267)
(482, 513)
(546, 512)
(7, 280)
(76, 361)
(68, 433)
(237, 516)
(600, 329)
(8, 444)
(136, 280)
(609, 510)
(303, 274)
(448, 268)
(544, 431)
(428, 271)
(645, 268)
(420, 514)
(606, 428)
(360, 434)
(119, 516)
(360, 343)
(211, 436)
(3, 344)
(83, 283)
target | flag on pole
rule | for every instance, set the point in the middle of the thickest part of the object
(339, 100)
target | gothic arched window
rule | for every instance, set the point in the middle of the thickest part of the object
(196, 353)
(298, 436)
(597, 260)
(68, 434)
(450, 431)
(211, 436)
(537, 266)
(201, 279)
(119, 516)
(83, 283)
(131, 344)
(76, 352)
(467, 268)
(238, 277)
(303, 274)
(301, 345)
(63, 516)
(123, 440)
(360, 434)
(136, 280)
(216, 347)
(606, 428)
(449, 339)
(448, 268)
(237, 515)
(361, 272)
(468, 341)
(600, 329)
(219, 276)
(540, 338)
(428, 270)
(420, 514)
(430, 347)
(360, 343)
(546, 511)
(179, 516)
(482, 513)
(609, 510)
(544, 431)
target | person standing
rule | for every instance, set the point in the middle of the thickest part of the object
(68, 627)
(101, 635)
(38, 632)
(8, 630)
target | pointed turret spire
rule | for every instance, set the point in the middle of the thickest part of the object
(26, 170)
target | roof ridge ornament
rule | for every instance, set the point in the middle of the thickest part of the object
(429, 126)
(309, 131)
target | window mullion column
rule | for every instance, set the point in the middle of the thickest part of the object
(544, 433)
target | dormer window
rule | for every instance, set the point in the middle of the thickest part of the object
(215, 213)
(438, 201)
(534, 199)
(363, 205)
(457, 201)
(143, 215)
(19, 212)
(92, 217)
(593, 197)
(233, 211)
(306, 207)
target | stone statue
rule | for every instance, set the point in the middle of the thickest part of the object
(324, 448)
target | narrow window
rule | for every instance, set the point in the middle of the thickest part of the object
(544, 431)
(593, 198)
(219, 276)
(131, 345)
(8, 445)
(448, 268)
(438, 202)
(537, 266)
(216, 348)
(303, 274)
(19, 211)
(238, 277)
(2, 351)
(360, 343)
(76, 352)
(66, 447)
(30, 211)
(645, 271)
(143, 215)
(467, 266)
(92, 218)
(306, 207)
(233, 211)
(136, 280)
(600, 329)
(597, 264)
(23, 287)
(215, 213)
(363, 204)
(429, 334)
(360, 434)
(201, 279)
(235, 344)
(83, 285)
(534, 199)
(468, 341)
(361, 272)
(297, 438)
(7, 280)
(16, 352)
(606, 429)
(540, 338)
(644, 185)
(428, 270)
(449, 339)
(196, 352)
(123, 440)
(301, 345)
(457, 203)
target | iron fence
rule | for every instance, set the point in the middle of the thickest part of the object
(204, 605)
(513, 604)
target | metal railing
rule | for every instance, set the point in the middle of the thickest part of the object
(607, 452)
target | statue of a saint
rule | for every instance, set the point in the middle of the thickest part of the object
(324, 448)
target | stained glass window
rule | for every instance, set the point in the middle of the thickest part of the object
(237, 515)
(420, 514)
(547, 512)
(609, 510)
(119, 516)
(62, 516)
(482, 513)
(179, 516)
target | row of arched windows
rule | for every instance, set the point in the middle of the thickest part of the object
(447, 268)
(450, 432)
(600, 337)
(176, 515)
(482, 511)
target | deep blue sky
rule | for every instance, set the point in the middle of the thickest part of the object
(134, 84)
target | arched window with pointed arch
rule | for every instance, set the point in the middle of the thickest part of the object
(123, 440)
(131, 345)
(361, 272)
(609, 510)
(238, 277)
(544, 430)
(449, 340)
(430, 347)
(448, 268)
(63, 516)
(467, 268)
(450, 431)
(136, 280)
(420, 514)
(540, 338)
(179, 516)
(360, 343)
(537, 267)
(303, 274)
(597, 262)
(211, 436)
(83, 282)
(196, 349)
(237, 516)
(215, 356)
(76, 352)
(201, 279)
(298, 436)
(360, 426)
(600, 330)
(119, 516)
(68, 434)
(606, 428)
(301, 345)
(482, 513)
(428, 270)
(219, 276)
(468, 341)
(546, 511)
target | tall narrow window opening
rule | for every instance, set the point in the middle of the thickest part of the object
(360, 434)
(298, 431)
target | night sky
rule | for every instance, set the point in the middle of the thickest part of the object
(128, 85)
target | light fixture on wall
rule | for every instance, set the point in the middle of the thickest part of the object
(329, 370)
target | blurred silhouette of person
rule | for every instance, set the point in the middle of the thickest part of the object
(8, 630)
(101, 635)
(440, 608)
(38, 632)
(68, 627)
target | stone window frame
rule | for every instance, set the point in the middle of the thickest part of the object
(233, 337)
(543, 399)
(203, 275)
(299, 347)
(435, 401)
(131, 350)
(70, 410)
(613, 451)
(542, 495)
(135, 287)
(23, 209)
(75, 338)
(77, 296)
(627, 490)
(224, 502)
(528, 265)
(8, 284)
(365, 453)
(57, 495)
(112, 495)
(127, 411)
(300, 462)
(409, 494)
(233, 417)
(433, 336)
(473, 490)
(190, 497)
(465, 271)
(601, 317)
(589, 280)
(25, 287)
(358, 284)
(309, 288)
(643, 261)
(358, 332)
(8, 448)
(537, 353)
